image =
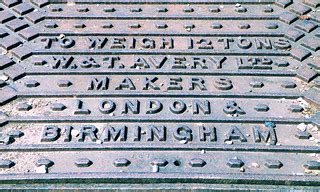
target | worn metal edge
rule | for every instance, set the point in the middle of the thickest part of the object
(152, 187)
(163, 1)
(145, 178)
(169, 147)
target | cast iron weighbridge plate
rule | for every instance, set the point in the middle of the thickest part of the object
(160, 94)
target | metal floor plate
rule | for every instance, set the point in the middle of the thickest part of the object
(203, 94)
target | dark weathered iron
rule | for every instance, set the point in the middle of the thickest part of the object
(203, 94)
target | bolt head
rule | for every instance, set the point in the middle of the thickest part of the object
(160, 162)
(261, 107)
(235, 163)
(6, 163)
(303, 135)
(58, 107)
(83, 162)
(273, 164)
(197, 162)
(64, 83)
(256, 84)
(24, 107)
(44, 161)
(15, 133)
(31, 83)
(312, 165)
(295, 108)
(121, 162)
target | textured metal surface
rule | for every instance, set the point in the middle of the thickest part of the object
(160, 94)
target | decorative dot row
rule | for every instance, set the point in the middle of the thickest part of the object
(163, 26)
(238, 8)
